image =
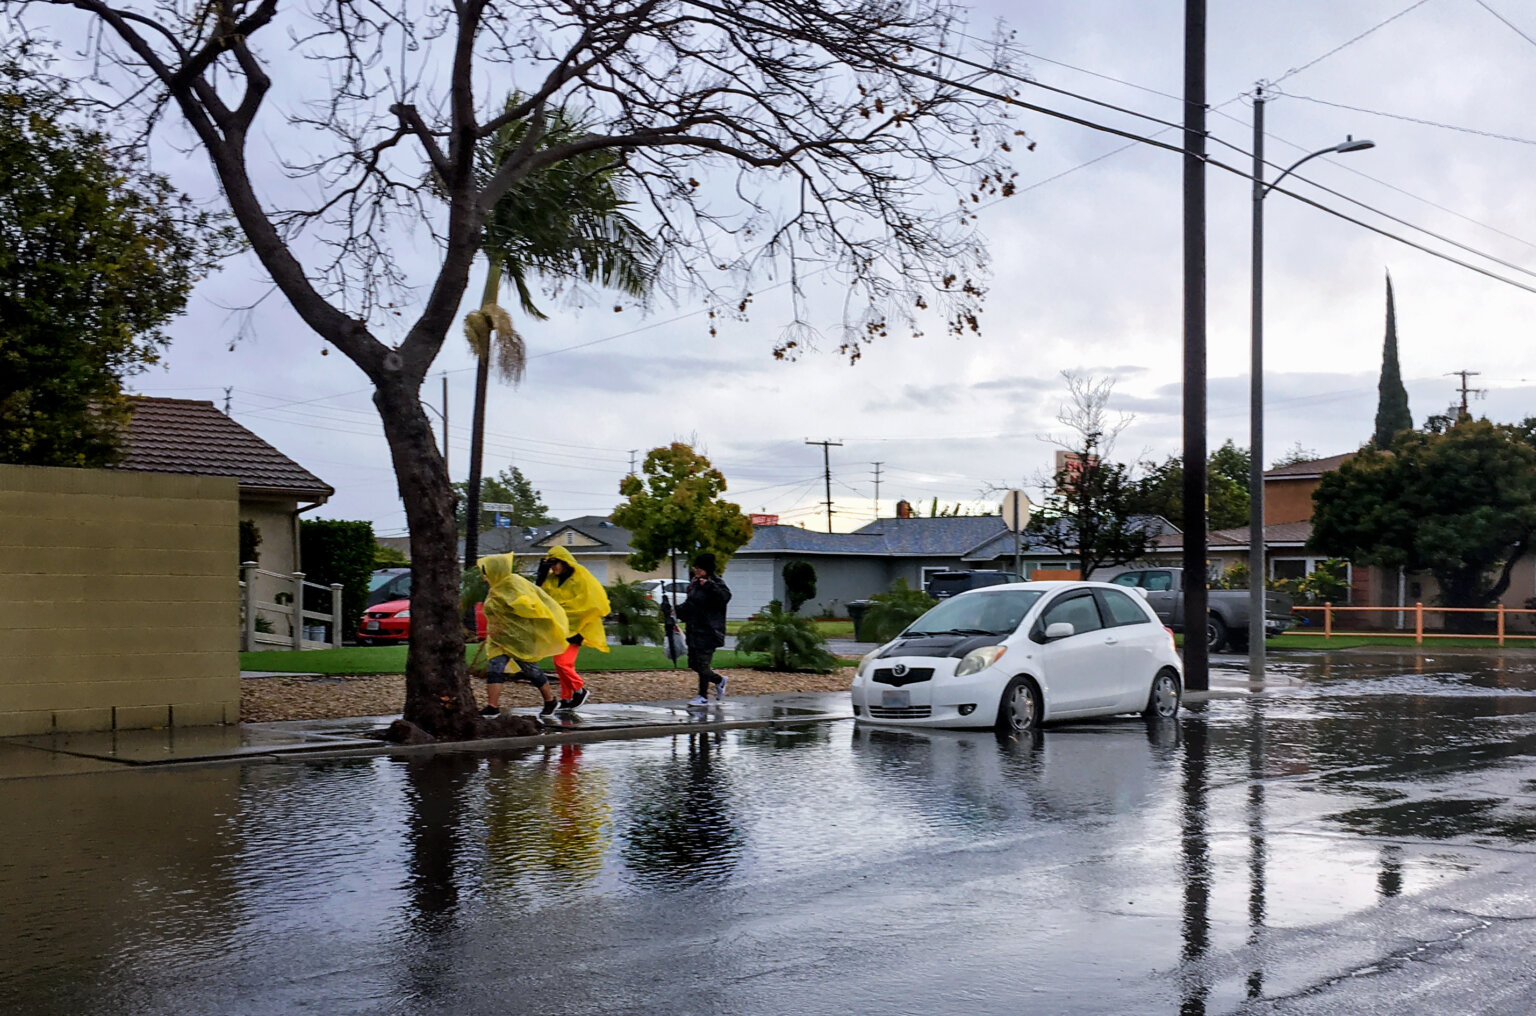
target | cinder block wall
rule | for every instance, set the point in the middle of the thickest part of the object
(119, 600)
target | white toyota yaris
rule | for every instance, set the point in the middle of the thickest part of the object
(1022, 654)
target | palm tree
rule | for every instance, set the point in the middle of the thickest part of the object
(566, 221)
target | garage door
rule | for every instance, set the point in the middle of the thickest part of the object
(751, 582)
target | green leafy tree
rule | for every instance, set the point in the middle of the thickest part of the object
(789, 641)
(799, 583)
(1460, 505)
(1160, 489)
(677, 507)
(334, 550)
(97, 256)
(564, 222)
(1392, 413)
(889, 613)
(1294, 454)
(385, 556)
(636, 617)
(509, 486)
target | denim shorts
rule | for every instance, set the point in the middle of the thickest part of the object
(496, 672)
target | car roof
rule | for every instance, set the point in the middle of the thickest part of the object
(1044, 585)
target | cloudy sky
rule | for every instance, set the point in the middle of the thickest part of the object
(1087, 277)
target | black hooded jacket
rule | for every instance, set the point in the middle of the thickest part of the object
(703, 611)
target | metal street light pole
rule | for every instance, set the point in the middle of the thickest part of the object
(1257, 570)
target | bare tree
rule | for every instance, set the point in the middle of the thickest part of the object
(770, 138)
(1089, 507)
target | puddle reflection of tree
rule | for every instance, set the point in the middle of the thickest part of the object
(680, 831)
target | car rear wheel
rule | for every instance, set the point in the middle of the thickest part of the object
(1163, 699)
(1215, 634)
(1020, 708)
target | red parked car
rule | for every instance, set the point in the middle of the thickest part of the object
(389, 623)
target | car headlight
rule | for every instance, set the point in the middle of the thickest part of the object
(404, 613)
(977, 660)
(864, 662)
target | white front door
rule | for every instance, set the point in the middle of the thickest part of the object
(1083, 670)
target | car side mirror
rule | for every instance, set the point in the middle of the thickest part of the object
(1059, 630)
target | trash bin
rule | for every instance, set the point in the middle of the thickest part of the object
(856, 609)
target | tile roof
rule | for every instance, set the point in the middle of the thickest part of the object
(191, 436)
(1280, 532)
(1310, 468)
(794, 540)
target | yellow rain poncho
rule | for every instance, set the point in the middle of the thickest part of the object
(521, 621)
(584, 599)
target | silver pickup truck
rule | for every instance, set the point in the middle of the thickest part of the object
(1226, 623)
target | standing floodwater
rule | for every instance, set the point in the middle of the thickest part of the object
(1334, 836)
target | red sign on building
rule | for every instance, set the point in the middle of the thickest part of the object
(764, 520)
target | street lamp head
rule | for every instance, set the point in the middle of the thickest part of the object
(1351, 145)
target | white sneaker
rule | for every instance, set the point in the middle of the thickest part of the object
(698, 701)
(720, 688)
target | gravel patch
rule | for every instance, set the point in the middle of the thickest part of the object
(310, 697)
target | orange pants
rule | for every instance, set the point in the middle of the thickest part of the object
(565, 667)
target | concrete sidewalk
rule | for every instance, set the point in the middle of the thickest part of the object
(64, 753)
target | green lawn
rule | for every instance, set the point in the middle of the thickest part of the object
(1351, 641)
(829, 629)
(391, 660)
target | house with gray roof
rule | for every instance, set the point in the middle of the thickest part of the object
(593, 541)
(856, 565)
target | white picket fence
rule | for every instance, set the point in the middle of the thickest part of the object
(325, 633)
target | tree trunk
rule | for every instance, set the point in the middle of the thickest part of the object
(437, 692)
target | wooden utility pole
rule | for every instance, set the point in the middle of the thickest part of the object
(826, 465)
(1196, 659)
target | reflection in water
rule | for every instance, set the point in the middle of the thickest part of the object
(680, 831)
(1257, 846)
(1196, 923)
(1389, 881)
(435, 797)
(546, 828)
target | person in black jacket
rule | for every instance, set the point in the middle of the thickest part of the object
(703, 612)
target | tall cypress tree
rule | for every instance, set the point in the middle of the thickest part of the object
(1392, 414)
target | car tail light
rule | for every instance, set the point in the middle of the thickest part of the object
(1172, 642)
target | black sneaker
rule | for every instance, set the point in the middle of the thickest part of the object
(577, 698)
(548, 708)
(490, 711)
(565, 705)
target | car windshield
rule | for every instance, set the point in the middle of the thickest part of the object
(996, 613)
(379, 578)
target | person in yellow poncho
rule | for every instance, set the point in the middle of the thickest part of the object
(522, 624)
(586, 604)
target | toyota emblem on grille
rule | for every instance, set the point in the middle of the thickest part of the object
(900, 670)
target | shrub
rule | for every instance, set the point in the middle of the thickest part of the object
(250, 541)
(385, 556)
(333, 550)
(789, 641)
(891, 612)
(799, 584)
(636, 618)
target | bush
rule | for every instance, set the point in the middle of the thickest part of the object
(388, 557)
(332, 550)
(250, 541)
(799, 584)
(636, 618)
(889, 613)
(790, 642)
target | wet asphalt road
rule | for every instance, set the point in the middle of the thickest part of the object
(1363, 840)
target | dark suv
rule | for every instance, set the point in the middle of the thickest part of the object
(942, 585)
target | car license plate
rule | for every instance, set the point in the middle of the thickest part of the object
(371, 626)
(899, 699)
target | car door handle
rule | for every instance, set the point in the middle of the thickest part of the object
(1110, 641)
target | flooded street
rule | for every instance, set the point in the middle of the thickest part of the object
(1364, 833)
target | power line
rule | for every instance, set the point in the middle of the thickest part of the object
(1414, 119)
(1507, 22)
(1350, 42)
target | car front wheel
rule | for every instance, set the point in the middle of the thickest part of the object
(1020, 708)
(1163, 699)
(1215, 634)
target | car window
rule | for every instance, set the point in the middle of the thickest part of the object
(1077, 609)
(1128, 579)
(1157, 581)
(996, 613)
(1120, 609)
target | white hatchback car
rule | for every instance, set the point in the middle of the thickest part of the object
(1017, 655)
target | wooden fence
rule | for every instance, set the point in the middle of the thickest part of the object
(327, 631)
(1416, 613)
